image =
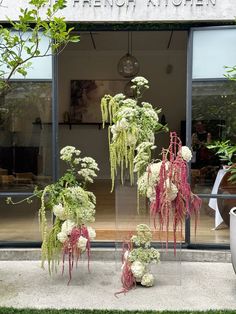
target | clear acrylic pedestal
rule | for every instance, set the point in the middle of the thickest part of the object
(168, 271)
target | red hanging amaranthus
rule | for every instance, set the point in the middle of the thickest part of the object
(71, 249)
(174, 198)
(127, 277)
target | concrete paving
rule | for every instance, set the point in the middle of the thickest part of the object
(185, 286)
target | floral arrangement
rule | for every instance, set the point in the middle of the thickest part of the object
(165, 184)
(132, 129)
(137, 257)
(74, 209)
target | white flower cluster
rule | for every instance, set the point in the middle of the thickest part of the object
(67, 153)
(66, 230)
(118, 127)
(141, 256)
(149, 180)
(147, 280)
(140, 81)
(88, 165)
(119, 97)
(186, 153)
(59, 211)
(82, 204)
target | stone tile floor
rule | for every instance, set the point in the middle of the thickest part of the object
(185, 286)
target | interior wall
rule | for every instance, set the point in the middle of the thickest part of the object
(167, 91)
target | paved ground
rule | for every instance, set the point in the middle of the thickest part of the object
(196, 286)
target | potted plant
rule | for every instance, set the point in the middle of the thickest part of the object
(233, 237)
(227, 153)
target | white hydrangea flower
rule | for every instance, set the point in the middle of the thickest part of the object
(81, 243)
(172, 190)
(62, 237)
(186, 153)
(59, 211)
(91, 233)
(154, 171)
(147, 280)
(138, 269)
(67, 226)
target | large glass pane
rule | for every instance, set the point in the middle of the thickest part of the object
(212, 51)
(213, 112)
(19, 222)
(82, 83)
(213, 224)
(25, 143)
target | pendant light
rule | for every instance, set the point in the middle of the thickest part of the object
(128, 65)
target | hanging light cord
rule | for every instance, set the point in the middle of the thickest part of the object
(128, 43)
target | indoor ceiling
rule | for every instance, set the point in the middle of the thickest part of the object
(152, 40)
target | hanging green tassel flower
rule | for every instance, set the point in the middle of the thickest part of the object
(133, 125)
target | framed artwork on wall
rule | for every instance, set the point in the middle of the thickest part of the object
(86, 98)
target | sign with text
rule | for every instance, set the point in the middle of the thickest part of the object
(134, 10)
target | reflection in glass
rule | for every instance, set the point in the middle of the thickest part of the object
(20, 222)
(213, 112)
(25, 144)
(211, 227)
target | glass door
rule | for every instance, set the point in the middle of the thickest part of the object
(211, 129)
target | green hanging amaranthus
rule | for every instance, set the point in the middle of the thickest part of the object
(131, 132)
(73, 208)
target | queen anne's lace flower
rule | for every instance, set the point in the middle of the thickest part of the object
(140, 80)
(82, 243)
(67, 226)
(67, 153)
(119, 97)
(138, 269)
(147, 280)
(186, 153)
(62, 237)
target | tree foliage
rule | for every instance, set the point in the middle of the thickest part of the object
(20, 44)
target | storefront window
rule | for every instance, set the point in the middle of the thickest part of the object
(19, 223)
(213, 112)
(213, 131)
(25, 144)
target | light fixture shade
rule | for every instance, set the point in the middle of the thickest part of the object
(128, 66)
